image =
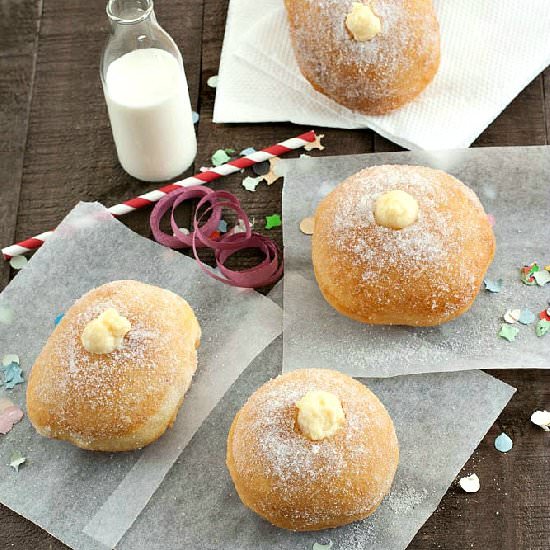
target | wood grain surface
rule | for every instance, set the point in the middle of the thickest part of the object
(56, 149)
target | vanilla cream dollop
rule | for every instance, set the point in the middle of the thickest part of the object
(320, 414)
(362, 22)
(105, 333)
(396, 210)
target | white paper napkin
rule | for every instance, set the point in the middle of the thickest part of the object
(490, 51)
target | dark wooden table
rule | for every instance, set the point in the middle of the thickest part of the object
(56, 149)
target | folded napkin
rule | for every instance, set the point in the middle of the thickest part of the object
(490, 52)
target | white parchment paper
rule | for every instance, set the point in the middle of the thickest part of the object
(88, 500)
(439, 418)
(513, 185)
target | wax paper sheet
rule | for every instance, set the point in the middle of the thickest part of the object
(88, 500)
(440, 419)
(514, 186)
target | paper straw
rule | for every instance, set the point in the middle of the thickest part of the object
(147, 199)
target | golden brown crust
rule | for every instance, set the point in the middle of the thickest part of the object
(423, 275)
(373, 77)
(126, 399)
(305, 485)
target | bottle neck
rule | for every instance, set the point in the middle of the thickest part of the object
(130, 12)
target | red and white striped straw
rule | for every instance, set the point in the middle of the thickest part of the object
(147, 199)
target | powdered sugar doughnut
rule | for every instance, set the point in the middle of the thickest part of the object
(421, 275)
(305, 485)
(124, 399)
(372, 76)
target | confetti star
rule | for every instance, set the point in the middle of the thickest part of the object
(273, 221)
(16, 460)
(526, 317)
(542, 277)
(220, 157)
(315, 144)
(10, 414)
(12, 375)
(250, 184)
(493, 286)
(508, 332)
(271, 177)
(512, 316)
(527, 273)
(542, 327)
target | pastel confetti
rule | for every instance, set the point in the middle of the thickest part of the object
(319, 546)
(220, 157)
(195, 117)
(57, 320)
(526, 317)
(541, 419)
(261, 168)
(212, 81)
(307, 225)
(527, 274)
(512, 316)
(273, 221)
(241, 228)
(18, 262)
(542, 277)
(16, 460)
(491, 219)
(10, 414)
(470, 484)
(316, 144)
(493, 286)
(12, 375)
(247, 151)
(222, 226)
(542, 327)
(547, 267)
(503, 443)
(271, 177)
(6, 315)
(250, 183)
(508, 332)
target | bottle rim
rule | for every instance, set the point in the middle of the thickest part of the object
(111, 13)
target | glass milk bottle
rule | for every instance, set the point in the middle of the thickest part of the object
(146, 93)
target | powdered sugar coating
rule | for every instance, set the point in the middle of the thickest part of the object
(375, 75)
(86, 397)
(312, 484)
(432, 267)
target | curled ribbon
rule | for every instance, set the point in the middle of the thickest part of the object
(211, 204)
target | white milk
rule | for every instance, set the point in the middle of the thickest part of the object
(150, 112)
